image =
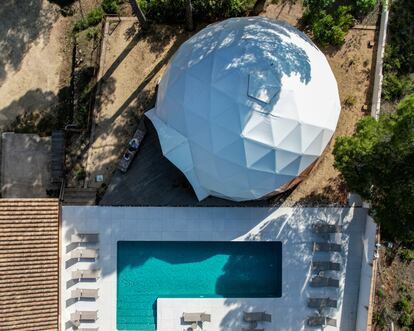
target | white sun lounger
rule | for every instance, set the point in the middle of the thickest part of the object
(84, 293)
(83, 315)
(194, 318)
(320, 281)
(84, 238)
(321, 321)
(320, 303)
(326, 266)
(84, 253)
(257, 317)
(86, 274)
(326, 247)
(322, 228)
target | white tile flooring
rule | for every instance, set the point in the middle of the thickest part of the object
(291, 226)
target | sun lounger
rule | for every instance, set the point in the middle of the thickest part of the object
(196, 317)
(325, 266)
(322, 228)
(320, 303)
(257, 317)
(84, 253)
(319, 321)
(320, 281)
(85, 238)
(84, 293)
(326, 247)
(86, 274)
(83, 315)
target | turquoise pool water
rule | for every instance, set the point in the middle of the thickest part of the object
(151, 269)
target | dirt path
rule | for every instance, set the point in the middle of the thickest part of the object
(33, 54)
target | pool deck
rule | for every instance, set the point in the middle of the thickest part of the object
(291, 226)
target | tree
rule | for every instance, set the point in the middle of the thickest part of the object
(139, 13)
(377, 162)
(189, 15)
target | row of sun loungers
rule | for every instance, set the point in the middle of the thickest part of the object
(321, 268)
(77, 294)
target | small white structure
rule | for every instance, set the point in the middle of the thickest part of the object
(245, 108)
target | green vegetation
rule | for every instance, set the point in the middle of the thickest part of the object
(399, 52)
(329, 22)
(80, 174)
(84, 84)
(377, 163)
(95, 16)
(403, 305)
(330, 30)
(174, 10)
(407, 255)
(350, 101)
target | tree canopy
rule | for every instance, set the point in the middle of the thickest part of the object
(377, 162)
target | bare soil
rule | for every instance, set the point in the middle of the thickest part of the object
(395, 280)
(34, 52)
(131, 65)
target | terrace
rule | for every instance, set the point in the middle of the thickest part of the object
(290, 226)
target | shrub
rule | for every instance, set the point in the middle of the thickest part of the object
(80, 174)
(174, 10)
(93, 18)
(110, 6)
(405, 319)
(330, 29)
(380, 293)
(395, 87)
(407, 255)
(93, 33)
(317, 5)
(403, 305)
(350, 101)
(364, 6)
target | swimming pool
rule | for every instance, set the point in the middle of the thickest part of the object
(151, 269)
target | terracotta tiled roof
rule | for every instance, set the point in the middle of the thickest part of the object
(29, 264)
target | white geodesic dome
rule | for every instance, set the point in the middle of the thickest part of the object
(245, 107)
